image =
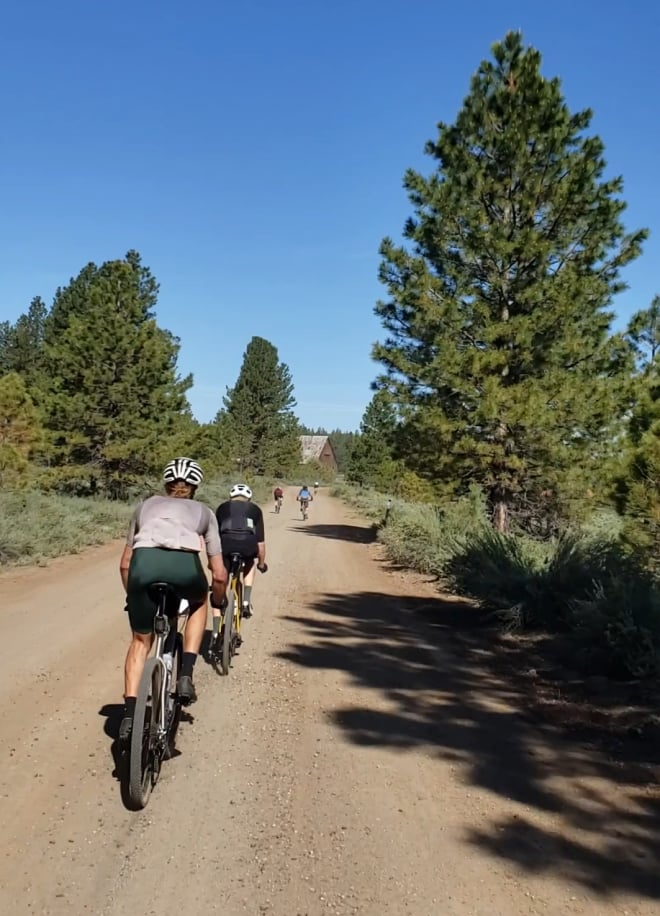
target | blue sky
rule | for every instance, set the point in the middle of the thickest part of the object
(253, 153)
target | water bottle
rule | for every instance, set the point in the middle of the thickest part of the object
(167, 658)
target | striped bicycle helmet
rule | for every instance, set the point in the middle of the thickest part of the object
(183, 469)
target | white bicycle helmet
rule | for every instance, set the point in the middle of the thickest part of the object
(183, 469)
(240, 489)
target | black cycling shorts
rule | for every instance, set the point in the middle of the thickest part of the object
(248, 548)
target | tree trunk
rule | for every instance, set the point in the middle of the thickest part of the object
(500, 517)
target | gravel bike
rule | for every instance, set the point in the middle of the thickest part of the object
(158, 707)
(229, 638)
(224, 646)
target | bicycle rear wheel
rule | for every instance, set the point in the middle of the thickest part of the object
(143, 763)
(228, 634)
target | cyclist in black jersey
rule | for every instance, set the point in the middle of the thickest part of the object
(242, 531)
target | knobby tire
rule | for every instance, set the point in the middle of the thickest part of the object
(228, 633)
(142, 755)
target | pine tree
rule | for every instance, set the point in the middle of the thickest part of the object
(21, 344)
(116, 406)
(70, 300)
(343, 443)
(637, 484)
(643, 335)
(19, 429)
(499, 352)
(259, 428)
(371, 459)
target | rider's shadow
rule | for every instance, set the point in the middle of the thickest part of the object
(114, 713)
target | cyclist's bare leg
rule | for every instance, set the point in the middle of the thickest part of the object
(135, 659)
(192, 641)
(195, 627)
(249, 572)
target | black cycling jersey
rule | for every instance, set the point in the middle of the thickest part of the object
(237, 519)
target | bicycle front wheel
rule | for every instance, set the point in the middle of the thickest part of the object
(228, 633)
(143, 762)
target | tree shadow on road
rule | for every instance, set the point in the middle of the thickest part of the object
(458, 703)
(358, 534)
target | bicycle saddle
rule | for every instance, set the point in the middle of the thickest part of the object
(158, 589)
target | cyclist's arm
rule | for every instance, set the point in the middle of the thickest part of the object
(260, 531)
(124, 563)
(218, 578)
(214, 554)
(127, 553)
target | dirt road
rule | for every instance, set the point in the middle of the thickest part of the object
(348, 765)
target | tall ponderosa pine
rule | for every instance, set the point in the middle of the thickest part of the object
(258, 425)
(499, 352)
(116, 402)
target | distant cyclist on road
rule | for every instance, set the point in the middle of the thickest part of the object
(165, 537)
(241, 525)
(304, 497)
(278, 495)
(316, 487)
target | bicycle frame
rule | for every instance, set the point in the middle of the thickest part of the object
(236, 585)
(157, 708)
(165, 631)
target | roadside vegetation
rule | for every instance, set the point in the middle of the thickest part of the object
(36, 527)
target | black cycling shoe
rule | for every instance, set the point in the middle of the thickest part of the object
(246, 611)
(125, 730)
(186, 690)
